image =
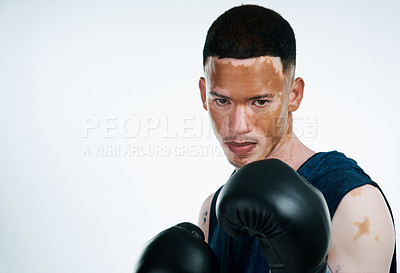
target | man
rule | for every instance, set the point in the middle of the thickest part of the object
(250, 92)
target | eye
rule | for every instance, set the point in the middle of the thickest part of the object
(260, 103)
(221, 101)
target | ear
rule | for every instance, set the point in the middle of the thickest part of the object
(203, 92)
(296, 94)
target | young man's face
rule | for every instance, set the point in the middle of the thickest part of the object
(248, 103)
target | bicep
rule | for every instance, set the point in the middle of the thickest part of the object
(362, 233)
(204, 216)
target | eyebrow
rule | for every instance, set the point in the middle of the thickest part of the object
(268, 95)
(219, 95)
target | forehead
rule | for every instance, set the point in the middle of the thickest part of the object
(244, 66)
(261, 74)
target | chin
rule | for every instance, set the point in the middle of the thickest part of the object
(239, 162)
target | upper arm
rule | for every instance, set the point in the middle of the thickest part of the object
(362, 233)
(204, 216)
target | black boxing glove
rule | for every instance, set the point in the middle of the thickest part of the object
(179, 249)
(289, 216)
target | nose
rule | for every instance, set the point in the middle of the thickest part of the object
(239, 120)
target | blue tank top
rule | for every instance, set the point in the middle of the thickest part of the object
(332, 173)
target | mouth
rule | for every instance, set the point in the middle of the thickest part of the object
(241, 148)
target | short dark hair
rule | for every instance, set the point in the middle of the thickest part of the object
(250, 31)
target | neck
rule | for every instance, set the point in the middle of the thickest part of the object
(291, 150)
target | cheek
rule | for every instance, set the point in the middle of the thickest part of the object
(273, 122)
(267, 125)
(219, 120)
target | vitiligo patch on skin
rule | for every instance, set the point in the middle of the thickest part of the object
(363, 228)
(356, 192)
(274, 61)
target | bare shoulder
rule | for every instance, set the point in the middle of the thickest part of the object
(204, 215)
(362, 233)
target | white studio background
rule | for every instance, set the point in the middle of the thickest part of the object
(104, 142)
